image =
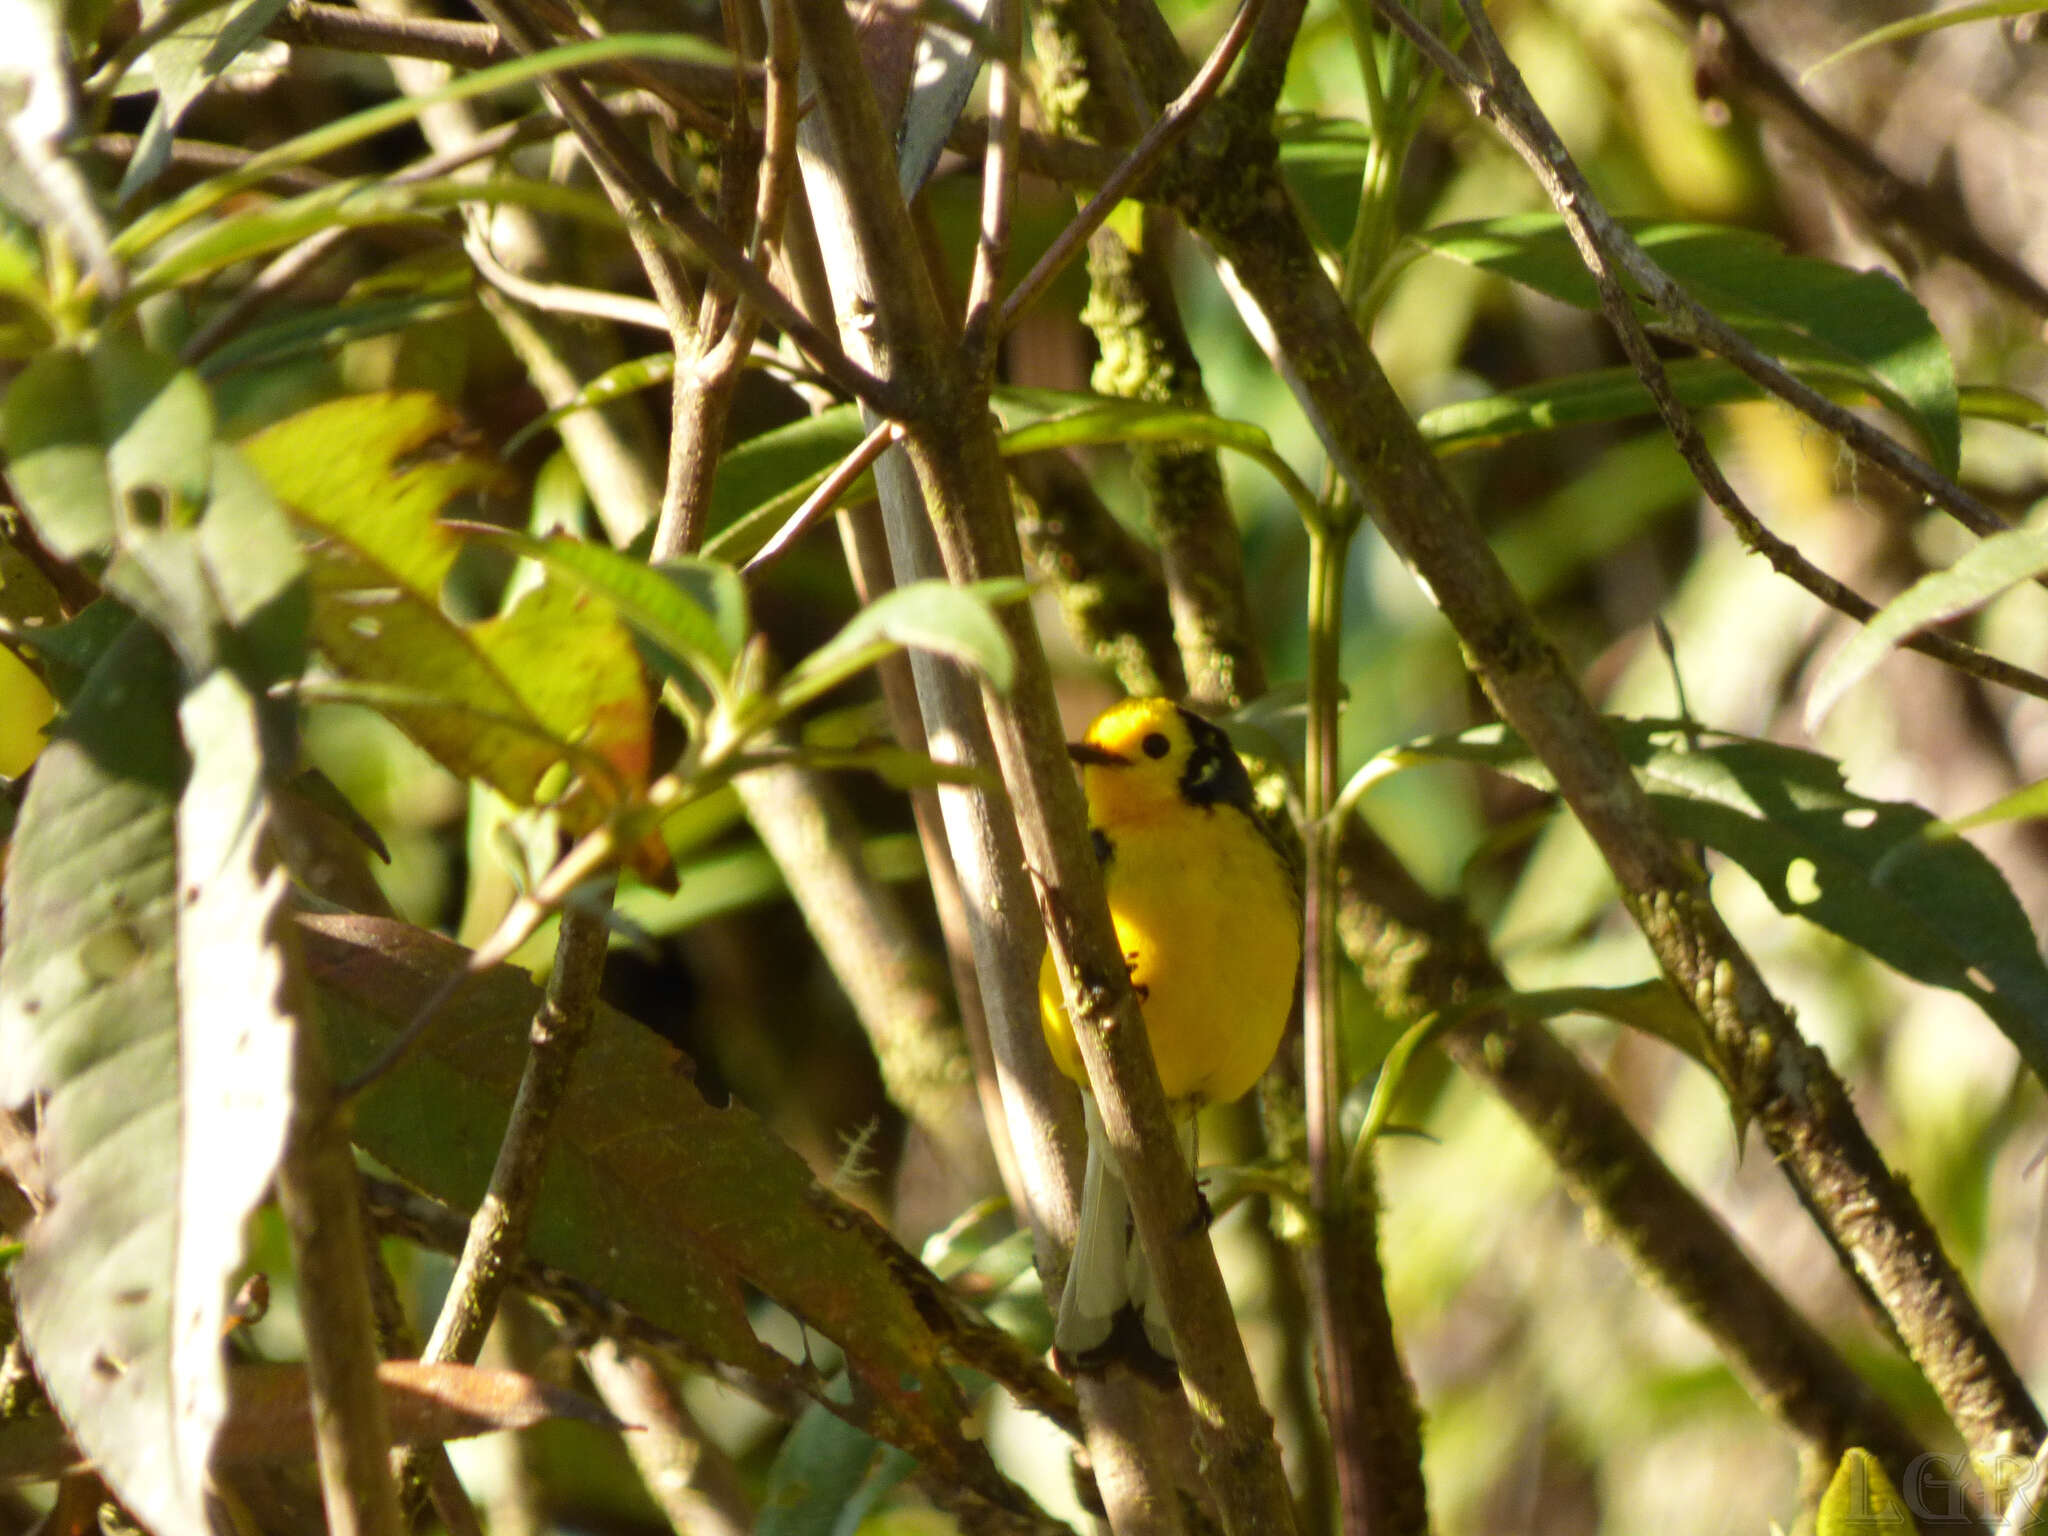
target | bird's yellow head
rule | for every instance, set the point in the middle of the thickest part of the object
(1149, 757)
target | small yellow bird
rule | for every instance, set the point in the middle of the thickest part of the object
(1209, 919)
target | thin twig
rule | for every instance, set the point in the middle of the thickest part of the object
(322, 1205)
(708, 370)
(1593, 233)
(693, 90)
(290, 267)
(1145, 155)
(828, 493)
(566, 298)
(1684, 317)
(998, 191)
(655, 202)
(465, 44)
(497, 1233)
(1729, 57)
(687, 1475)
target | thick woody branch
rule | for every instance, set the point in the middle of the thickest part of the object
(952, 448)
(1787, 1086)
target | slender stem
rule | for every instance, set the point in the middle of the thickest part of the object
(829, 492)
(497, 1233)
(317, 1191)
(688, 1476)
(1159, 139)
(1328, 548)
(998, 191)
(1795, 1098)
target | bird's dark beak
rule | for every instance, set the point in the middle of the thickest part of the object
(1090, 755)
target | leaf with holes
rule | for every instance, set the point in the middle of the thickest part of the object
(1935, 909)
(103, 437)
(555, 680)
(714, 1200)
(142, 1002)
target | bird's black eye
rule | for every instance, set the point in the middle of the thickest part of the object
(1156, 745)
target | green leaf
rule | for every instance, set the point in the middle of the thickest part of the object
(770, 476)
(1866, 870)
(1861, 1500)
(2027, 803)
(504, 700)
(69, 651)
(352, 204)
(184, 63)
(767, 477)
(95, 439)
(1601, 394)
(720, 883)
(935, 616)
(716, 1201)
(322, 331)
(615, 383)
(129, 912)
(1807, 312)
(1038, 419)
(1986, 569)
(159, 223)
(230, 592)
(1619, 497)
(827, 1475)
(658, 602)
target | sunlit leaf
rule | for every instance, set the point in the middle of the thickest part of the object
(555, 680)
(1919, 26)
(660, 603)
(326, 329)
(716, 884)
(1987, 568)
(352, 204)
(2027, 803)
(615, 383)
(157, 224)
(1805, 311)
(96, 436)
(935, 616)
(1936, 910)
(184, 63)
(140, 999)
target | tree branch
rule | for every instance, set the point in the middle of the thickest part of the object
(952, 448)
(1729, 59)
(1795, 1099)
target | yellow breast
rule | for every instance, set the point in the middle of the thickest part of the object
(1210, 930)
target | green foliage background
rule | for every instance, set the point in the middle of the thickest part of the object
(1559, 1394)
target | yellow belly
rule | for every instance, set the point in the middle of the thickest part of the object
(1211, 933)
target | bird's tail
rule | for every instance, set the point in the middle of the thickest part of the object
(1111, 1297)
